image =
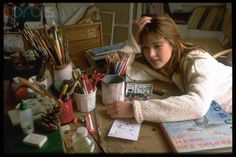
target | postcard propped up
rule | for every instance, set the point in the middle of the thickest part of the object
(125, 129)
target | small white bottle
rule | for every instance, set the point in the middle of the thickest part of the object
(26, 118)
(82, 141)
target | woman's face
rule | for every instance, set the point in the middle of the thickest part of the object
(157, 51)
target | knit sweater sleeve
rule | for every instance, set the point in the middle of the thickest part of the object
(194, 103)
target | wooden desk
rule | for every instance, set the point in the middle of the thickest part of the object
(151, 138)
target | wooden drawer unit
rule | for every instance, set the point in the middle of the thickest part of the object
(82, 37)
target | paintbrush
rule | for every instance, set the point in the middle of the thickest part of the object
(98, 127)
(39, 90)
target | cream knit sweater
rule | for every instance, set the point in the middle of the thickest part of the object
(202, 80)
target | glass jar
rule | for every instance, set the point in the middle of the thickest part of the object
(82, 141)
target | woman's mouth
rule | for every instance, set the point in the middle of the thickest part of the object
(155, 61)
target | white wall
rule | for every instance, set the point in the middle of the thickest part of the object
(124, 15)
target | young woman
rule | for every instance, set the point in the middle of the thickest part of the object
(195, 72)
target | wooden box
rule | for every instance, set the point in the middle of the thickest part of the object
(82, 37)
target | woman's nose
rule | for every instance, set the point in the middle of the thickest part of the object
(152, 51)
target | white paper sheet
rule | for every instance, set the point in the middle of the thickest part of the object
(126, 129)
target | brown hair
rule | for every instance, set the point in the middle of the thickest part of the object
(164, 26)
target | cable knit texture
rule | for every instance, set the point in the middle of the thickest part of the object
(138, 113)
(202, 79)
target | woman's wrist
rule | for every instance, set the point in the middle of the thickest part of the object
(137, 111)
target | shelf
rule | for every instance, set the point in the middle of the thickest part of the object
(196, 33)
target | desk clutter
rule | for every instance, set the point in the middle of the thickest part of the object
(84, 83)
(52, 108)
(49, 42)
(52, 94)
(97, 56)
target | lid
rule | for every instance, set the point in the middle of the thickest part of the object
(23, 105)
(82, 131)
(113, 79)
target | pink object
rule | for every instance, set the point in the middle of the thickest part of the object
(66, 112)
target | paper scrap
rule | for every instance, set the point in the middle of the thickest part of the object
(126, 129)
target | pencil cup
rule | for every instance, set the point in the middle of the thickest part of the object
(113, 88)
(62, 73)
(85, 102)
(66, 112)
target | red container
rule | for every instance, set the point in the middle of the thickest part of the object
(21, 93)
(66, 112)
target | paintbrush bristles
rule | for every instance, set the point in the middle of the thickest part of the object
(46, 41)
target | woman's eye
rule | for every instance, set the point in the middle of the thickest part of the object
(157, 46)
(145, 48)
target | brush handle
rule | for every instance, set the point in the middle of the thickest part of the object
(32, 86)
(38, 90)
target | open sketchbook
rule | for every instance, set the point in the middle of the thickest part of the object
(212, 133)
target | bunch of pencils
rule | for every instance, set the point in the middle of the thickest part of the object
(48, 41)
(116, 64)
(86, 83)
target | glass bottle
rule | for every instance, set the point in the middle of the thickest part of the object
(82, 141)
(26, 118)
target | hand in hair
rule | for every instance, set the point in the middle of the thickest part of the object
(138, 26)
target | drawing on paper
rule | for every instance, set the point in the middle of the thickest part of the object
(126, 129)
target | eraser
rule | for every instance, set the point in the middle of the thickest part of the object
(35, 140)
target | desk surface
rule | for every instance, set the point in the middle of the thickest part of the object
(151, 138)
